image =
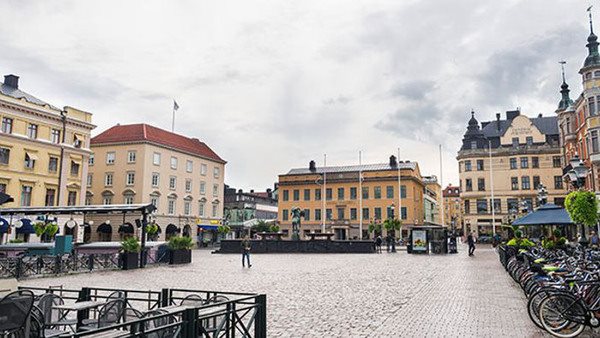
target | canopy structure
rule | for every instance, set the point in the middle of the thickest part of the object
(26, 227)
(126, 228)
(4, 226)
(5, 198)
(547, 214)
(80, 209)
(104, 228)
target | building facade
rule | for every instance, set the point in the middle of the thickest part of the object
(452, 207)
(334, 200)
(44, 150)
(139, 163)
(245, 209)
(432, 200)
(525, 153)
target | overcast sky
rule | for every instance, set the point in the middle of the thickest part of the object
(270, 85)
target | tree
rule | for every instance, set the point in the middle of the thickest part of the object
(375, 227)
(582, 206)
(392, 225)
(261, 226)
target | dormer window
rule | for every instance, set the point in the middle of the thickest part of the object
(597, 73)
(588, 75)
(473, 144)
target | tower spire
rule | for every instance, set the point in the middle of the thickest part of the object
(589, 10)
(565, 100)
(562, 66)
(593, 58)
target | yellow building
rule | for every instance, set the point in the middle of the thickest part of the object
(452, 207)
(44, 150)
(340, 212)
(139, 163)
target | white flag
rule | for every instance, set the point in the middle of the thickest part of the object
(175, 105)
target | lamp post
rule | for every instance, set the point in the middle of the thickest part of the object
(392, 207)
(577, 176)
(542, 194)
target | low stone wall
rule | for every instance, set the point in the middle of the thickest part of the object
(286, 246)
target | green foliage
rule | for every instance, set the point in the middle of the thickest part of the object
(51, 229)
(16, 241)
(39, 228)
(392, 224)
(582, 206)
(223, 229)
(261, 226)
(181, 243)
(375, 227)
(130, 244)
(48, 229)
(274, 228)
(561, 241)
(152, 229)
(548, 244)
(518, 233)
(557, 233)
(520, 243)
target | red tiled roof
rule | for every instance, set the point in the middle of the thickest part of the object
(143, 132)
(450, 191)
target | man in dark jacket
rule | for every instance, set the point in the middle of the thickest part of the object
(246, 246)
(471, 242)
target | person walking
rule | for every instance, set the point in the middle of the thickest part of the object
(388, 242)
(594, 240)
(246, 246)
(378, 243)
(471, 242)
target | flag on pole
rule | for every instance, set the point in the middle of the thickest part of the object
(175, 105)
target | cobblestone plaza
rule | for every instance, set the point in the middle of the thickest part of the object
(352, 295)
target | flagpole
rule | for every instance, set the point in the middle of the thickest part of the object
(360, 222)
(324, 194)
(399, 191)
(442, 186)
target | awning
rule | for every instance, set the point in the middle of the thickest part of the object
(31, 155)
(104, 228)
(547, 214)
(3, 226)
(126, 228)
(26, 228)
(208, 226)
(5, 198)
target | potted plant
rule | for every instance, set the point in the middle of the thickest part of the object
(130, 249)
(152, 231)
(180, 249)
(45, 231)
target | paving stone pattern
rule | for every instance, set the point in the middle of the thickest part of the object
(352, 295)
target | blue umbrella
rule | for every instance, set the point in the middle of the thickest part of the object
(547, 214)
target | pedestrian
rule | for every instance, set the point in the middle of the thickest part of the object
(594, 240)
(378, 243)
(246, 246)
(388, 242)
(471, 242)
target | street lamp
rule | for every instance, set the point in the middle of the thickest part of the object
(577, 176)
(392, 208)
(542, 194)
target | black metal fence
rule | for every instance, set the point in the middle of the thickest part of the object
(47, 265)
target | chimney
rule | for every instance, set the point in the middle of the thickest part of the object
(393, 162)
(312, 166)
(11, 81)
(511, 114)
(269, 192)
(498, 121)
(240, 191)
(540, 115)
(252, 191)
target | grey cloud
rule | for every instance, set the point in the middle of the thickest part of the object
(338, 100)
(414, 90)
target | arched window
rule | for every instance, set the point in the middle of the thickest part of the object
(172, 230)
(126, 230)
(104, 232)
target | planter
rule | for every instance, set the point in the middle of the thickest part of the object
(181, 256)
(130, 260)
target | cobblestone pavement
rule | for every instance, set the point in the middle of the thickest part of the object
(352, 295)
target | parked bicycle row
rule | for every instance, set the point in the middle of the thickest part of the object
(562, 286)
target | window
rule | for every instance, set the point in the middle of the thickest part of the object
(214, 210)
(377, 192)
(216, 172)
(130, 178)
(515, 142)
(172, 182)
(26, 195)
(286, 195)
(29, 161)
(55, 136)
(389, 191)
(171, 206)
(482, 206)
(529, 140)
(558, 182)
(173, 162)
(568, 125)
(155, 180)
(365, 213)
(202, 188)
(74, 168)
(340, 194)
(110, 158)
(536, 182)
(556, 163)
(340, 212)
(285, 215)
(513, 163)
(72, 198)
(473, 144)
(528, 203)
(513, 205)
(594, 141)
(469, 184)
(108, 179)
(353, 193)
(403, 191)
(189, 166)
(106, 200)
(201, 209)
(317, 214)
(389, 213)
(154, 201)
(328, 214)
(91, 159)
(215, 190)
(480, 165)
(307, 194)
(328, 194)
(365, 193)
(188, 185)
(186, 208)
(467, 207)
(535, 162)
(296, 195)
(156, 158)
(525, 183)
(403, 213)
(7, 124)
(514, 183)
(203, 169)
(131, 156)
(4, 155)
(317, 194)
(497, 206)
(353, 215)
(467, 165)
(481, 184)
(32, 131)
(377, 212)
(307, 214)
(592, 106)
(524, 162)
(89, 180)
(50, 197)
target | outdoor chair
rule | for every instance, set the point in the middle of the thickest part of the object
(37, 326)
(158, 323)
(192, 301)
(14, 311)
(112, 296)
(216, 323)
(131, 314)
(109, 314)
(54, 318)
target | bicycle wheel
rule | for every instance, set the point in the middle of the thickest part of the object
(562, 315)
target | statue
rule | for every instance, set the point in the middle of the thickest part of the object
(296, 213)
